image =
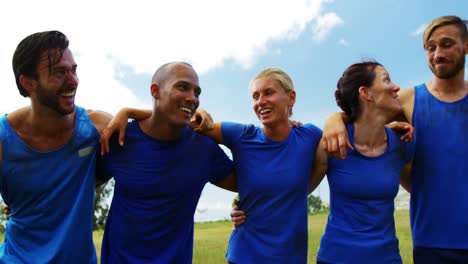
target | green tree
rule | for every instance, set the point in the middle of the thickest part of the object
(3, 219)
(101, 204)
(314, 204)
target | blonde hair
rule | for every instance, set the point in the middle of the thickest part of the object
(444, 21)
(278, 74)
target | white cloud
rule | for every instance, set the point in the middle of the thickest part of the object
(145, 34)
(324, 24)
(343, 42)
(419, 30)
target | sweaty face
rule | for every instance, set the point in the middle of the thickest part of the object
(56, 85)
(384, 92)
(179, 95)
(271, 103)
(445, 52)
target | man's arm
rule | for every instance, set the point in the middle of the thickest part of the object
(100, 120)
(406, 97)
(119, 122)
(320, 166)
(405, 176)
(203, 123)
(229, 183)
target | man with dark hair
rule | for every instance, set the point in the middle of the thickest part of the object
(438, 109)
(48, 152)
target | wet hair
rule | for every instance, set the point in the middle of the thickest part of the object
(281, 76)
(347, 92)
(444, 21)
(28, 54)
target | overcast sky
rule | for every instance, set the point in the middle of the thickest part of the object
(119, 44)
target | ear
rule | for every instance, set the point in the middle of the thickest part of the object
(292, 98)
(155, 91)
(27, 83)
(365, 94)
(466, 47)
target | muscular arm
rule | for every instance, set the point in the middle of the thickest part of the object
(406, 97)
(100, 120)
(229, 183)
(320, 166)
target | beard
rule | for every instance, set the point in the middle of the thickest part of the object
(51, 100)
(449, 72)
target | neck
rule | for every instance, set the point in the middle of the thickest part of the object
(370, 133)
(454, 88)
(278, 132)
(160, 129)
(44, 121)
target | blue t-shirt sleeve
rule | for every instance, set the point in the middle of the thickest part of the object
(231, 132)
(222, 166)
(315, 132)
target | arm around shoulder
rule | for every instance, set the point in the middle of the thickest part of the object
(319, 167)
(100, 119)
(406, 97)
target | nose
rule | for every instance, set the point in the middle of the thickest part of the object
(72, 79)
(192, 97)
(396, 88)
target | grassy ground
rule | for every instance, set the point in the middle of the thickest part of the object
(211, 239)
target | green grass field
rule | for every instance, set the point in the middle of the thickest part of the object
(211, 238)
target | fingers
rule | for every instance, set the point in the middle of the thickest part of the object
(238, 217)
(408, 136)
(104, 141)
(121, 136)
(7, 212)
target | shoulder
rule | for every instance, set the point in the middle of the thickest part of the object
(100, 119)
(19, 117)
(310, 129)
(406, 97)
(233, 128)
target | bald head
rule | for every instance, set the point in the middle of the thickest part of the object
(165, 71)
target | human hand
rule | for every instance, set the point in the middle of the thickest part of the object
(404, 128)
(119, 122)
(336, 137)
(201, 121)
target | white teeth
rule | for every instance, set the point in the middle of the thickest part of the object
(186, 110)
(263, 111)
(68, 94)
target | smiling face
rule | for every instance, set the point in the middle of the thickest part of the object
(56, 84)
(271, 103)
(383, 92)
(445, 51)
(178, 94)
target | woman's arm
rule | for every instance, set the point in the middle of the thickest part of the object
(320, 166)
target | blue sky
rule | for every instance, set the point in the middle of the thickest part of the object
(119, 44)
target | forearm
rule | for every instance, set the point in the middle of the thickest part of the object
(137, 114)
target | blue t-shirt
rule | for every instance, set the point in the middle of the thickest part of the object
(51, 197)
(272, 179)
(361, 226)
(439, 189)
(157, 188)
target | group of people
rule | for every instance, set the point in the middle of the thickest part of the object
(50, 164)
